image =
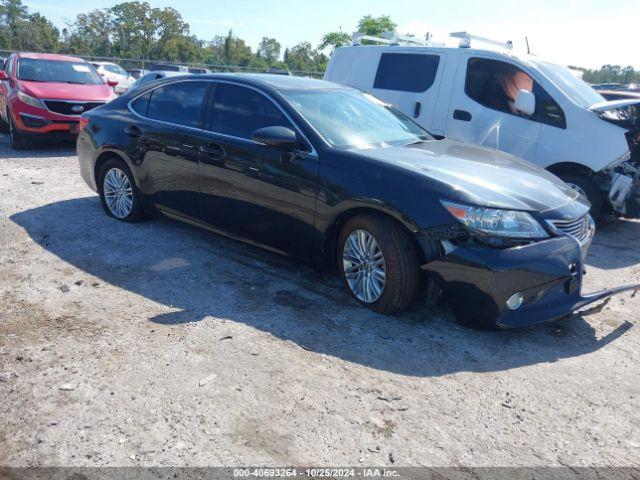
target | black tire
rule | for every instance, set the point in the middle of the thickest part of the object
(137, 212)
(596, 197)
(4, 126)
(18, 142)
(400, 258)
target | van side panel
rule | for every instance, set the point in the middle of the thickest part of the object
(353, 66)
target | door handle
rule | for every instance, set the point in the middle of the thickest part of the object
(213, 150)
(462, 115)
(416, 110)
(133, 131)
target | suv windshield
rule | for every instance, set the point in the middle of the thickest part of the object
(573, 87)
(38, 70)
(351, 119)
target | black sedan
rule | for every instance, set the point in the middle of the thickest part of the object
(334, 176)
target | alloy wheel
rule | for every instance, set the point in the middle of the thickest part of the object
(364, 266)
(118, 193)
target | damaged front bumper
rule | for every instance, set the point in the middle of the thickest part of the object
(624, 194)
(479, 280)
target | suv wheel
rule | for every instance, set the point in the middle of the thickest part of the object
(118, 193)
(18, 142)
(378, 263)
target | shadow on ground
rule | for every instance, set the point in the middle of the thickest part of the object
(615, 245)
(199, 275)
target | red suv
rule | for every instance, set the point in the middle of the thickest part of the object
(45, 94)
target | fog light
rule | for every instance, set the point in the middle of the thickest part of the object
(515, 301)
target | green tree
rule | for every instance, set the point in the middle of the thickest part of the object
(376, 26)
(12, 15)
(236, 51)
(303, 58)
(334, 40)
(91, 34)
(269, 50)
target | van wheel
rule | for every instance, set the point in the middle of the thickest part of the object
(587, 188)
(378, 263)
(118, 193)
(18, 142)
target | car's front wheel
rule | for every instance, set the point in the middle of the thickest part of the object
(378, 263)
(118, 193)
(18, 142)
(585, 186)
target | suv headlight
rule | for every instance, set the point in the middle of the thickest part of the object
(29, 100)
(495, 222)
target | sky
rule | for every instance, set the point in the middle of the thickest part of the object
(584, 33)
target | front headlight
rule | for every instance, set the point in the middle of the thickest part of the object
(497, 223)
(29, 100)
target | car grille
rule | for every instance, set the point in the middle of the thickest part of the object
(71, 108)
(580, 228)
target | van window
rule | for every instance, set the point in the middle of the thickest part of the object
(495, 84)
(239, 111)
(406, 72)
(178, 103)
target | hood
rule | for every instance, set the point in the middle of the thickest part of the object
(67, 91)
(479, 175)
(614, 104)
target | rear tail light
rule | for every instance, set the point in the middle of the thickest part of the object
(84, 121)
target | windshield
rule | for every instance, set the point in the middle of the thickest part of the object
(118, 70)
(351, 119)
(37, 70)
(573, 87)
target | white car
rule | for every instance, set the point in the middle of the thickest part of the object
(520, 104)
(113, 71)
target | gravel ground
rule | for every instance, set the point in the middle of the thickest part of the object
(160, 344)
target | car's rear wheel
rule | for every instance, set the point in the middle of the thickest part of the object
(378, 263)
(585, 186)
(118, 193)
(18, 142)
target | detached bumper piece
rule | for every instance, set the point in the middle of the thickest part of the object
(625, 195)
(515, 287)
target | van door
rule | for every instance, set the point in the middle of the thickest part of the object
(482, 110)
(410, 82)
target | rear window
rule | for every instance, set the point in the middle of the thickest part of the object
(406, 72)
(178, 103)
(38, 70)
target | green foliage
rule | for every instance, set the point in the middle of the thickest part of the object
(269, 50)
(612, 74)
(334, 40)
(376, 26)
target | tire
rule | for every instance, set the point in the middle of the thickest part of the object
(18, 142)
(4, 126)
(399, 262)
(115, 171)
(587, 187)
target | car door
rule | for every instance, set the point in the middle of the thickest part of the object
(409, 82)
(249, 189)
(163, 140)
(481, 108)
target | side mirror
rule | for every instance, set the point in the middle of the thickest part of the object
(525, 102)
(281, 138)
(3, 75)
(111, 82)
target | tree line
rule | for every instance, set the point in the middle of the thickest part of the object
(136, 30)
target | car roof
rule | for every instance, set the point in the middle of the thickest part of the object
(49, 56)
(277, 82)
(104, 63)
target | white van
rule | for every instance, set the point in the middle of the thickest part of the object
(520, 104)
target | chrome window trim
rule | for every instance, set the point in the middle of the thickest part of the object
(312, 153)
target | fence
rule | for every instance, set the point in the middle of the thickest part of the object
(145, 64)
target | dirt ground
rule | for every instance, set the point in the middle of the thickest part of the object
(160, 344)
